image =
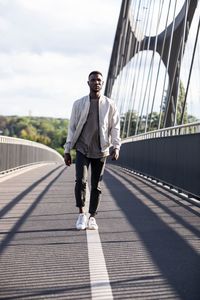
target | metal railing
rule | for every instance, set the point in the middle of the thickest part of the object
(169, 155)
(15, 152)
(190, 128)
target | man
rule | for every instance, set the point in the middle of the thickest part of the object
(94, 126)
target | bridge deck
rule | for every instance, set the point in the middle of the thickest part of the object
(149, 238)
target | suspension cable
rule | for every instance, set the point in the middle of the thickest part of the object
(182, 45)
(132, 102)
(150, 73)
(190, 72)
(133, 88)
(145, 27)
(129, 67)
(157, 77)
(166, 72)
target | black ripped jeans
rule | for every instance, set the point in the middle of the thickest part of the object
(97, 169)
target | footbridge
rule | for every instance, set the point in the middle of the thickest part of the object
(147, 245)
(148, 242)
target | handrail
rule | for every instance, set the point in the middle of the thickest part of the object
(13, 140)
(16, 152)
(190, 128)
(169, 155)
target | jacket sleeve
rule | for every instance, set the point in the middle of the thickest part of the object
(71, 130)
(115, 129)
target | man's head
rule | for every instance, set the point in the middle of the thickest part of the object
(94, 73)
(95, 81)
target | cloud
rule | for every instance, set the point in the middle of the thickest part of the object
(69, 27)
(47, 49)
(44, 84)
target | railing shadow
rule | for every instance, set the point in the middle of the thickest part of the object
(19, 197)
(167, 210)
(27, 213)
(178, 262)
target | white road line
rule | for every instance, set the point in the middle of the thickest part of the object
(99, 279)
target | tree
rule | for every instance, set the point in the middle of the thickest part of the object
(128, 124)
(49, 131)
(180, 103)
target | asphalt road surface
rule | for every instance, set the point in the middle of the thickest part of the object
(147, 245)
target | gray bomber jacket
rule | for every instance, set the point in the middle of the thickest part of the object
(109, 123)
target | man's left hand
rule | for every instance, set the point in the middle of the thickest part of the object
(115, 154)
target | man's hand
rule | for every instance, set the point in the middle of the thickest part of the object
(115, 154)
(67, 159)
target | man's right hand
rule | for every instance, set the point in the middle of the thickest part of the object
(67, 159)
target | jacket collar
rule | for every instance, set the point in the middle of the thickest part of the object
(101, 99)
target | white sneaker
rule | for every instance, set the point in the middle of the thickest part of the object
(81, 223)
(92, 224)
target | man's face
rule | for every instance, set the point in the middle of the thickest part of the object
(95, 82)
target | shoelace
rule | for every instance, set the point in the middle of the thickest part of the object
(92, 221)
(81, 220)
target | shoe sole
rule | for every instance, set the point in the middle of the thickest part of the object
(80, 229)
(92, 228)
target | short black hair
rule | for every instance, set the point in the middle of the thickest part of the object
(95, 72)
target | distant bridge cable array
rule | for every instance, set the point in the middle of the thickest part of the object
(168, 57)
(145, 75)
(151, 71)
(190, 72)
(152, 76)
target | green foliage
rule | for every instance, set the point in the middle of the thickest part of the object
(130, 119)
(128, 124)
(186, 117)
(153, 121)
(180, 102)
(48, 131)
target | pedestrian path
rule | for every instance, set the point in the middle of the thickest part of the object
(147, 245)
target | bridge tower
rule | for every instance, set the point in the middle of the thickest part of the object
(133, 39)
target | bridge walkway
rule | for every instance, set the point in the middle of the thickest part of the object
(147, 245)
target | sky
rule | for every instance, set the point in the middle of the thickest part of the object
(47, 50)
